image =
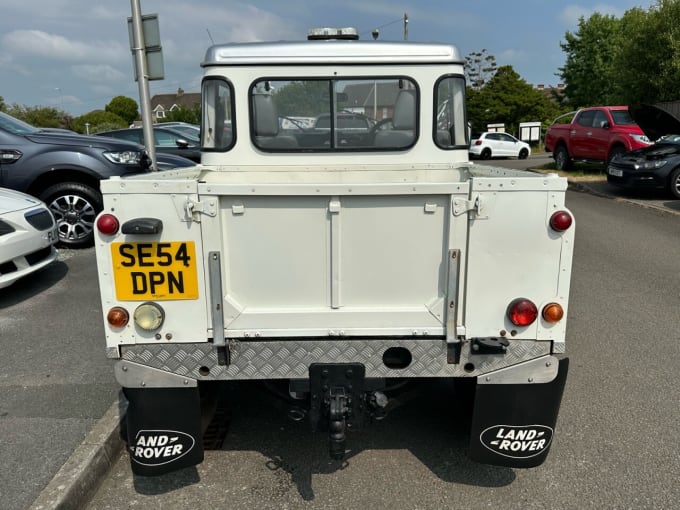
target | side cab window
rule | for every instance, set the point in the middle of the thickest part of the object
(218, 129)
(451, 128)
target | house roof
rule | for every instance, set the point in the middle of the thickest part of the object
(180, 98)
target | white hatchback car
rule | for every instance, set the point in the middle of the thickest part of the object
(28, 234)
(491, 144)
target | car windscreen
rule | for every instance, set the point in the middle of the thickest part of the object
(622, 117)
(16, 126)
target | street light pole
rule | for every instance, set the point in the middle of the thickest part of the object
(143, 81)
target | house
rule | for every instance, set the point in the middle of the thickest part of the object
(161, 104)
(375, 100)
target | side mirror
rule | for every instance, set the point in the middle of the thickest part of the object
(605, 124)
(182, 143)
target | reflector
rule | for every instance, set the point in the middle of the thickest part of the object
(107, 224)
(560, 221)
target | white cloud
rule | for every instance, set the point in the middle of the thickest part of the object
(98, 73)
(43, 44)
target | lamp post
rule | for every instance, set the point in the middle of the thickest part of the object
(61, 97)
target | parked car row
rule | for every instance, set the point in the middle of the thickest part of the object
(63, 170)
(173, 139)
(656, 166)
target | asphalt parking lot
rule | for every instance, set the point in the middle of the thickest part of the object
(99, 451)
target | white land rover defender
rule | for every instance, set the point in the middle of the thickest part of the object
(333, 238)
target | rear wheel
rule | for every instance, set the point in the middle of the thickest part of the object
(486, 154)
(562, 159)
(75, 207)
(674, 183)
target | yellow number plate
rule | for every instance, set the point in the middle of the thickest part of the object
(155, 271)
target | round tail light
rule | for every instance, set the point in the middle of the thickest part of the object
(560, 221)
(107, 224)
(552, 312)
(118, 317)
(522, 312)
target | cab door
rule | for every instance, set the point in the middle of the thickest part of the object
(581, 145)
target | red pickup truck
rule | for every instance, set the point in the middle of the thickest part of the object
(595, 134)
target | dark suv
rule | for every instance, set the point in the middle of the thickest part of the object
(64, 170)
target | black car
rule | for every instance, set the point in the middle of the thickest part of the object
(168, 141)
(64, 169)
(656, 166)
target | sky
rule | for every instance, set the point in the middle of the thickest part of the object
(75, 54)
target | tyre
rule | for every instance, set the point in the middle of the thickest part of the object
(486, 154)
(616, 151)
(75, 206)
(674, 183)
(523, 154)
(562, 159)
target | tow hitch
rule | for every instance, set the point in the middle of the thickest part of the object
(337, 401)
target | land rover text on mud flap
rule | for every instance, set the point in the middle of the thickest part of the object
(334, 257)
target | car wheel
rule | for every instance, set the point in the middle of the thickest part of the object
(75, 207)
(486, 154)
(523, 154)
(674, 183)
(562, 159)
(616, 151)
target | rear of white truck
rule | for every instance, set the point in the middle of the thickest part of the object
(335, 257)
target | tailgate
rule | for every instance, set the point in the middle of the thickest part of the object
(333, 260)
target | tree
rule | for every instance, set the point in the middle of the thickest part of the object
(39, 116)
(480, 67)
(509, 99)
(307, 97)
(184, 114)
(124, 107)
(649, 60)
(2, 104)
(590, 71)
(98, 120)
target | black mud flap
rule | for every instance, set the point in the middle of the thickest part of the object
(513, 424)
(164, 429)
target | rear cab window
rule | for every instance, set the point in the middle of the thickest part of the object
(334, 115)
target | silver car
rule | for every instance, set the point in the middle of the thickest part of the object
(28, 233)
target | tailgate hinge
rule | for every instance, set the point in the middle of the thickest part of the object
(461, 206)
(194, 208)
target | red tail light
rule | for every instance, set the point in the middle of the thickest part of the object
(108, 224)
(560, 221)
(522, 312)
(478, 142)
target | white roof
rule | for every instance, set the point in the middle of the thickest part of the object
(333, 51)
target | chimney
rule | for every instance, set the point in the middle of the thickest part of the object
(180, 92)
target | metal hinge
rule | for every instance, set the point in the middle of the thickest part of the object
(461, 206)
(194, 208)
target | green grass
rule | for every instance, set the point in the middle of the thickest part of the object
(579, 171)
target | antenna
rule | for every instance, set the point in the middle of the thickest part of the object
(210, 36)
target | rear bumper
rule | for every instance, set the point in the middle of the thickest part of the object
(513, 424)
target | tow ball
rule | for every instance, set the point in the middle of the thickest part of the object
(337, 401)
